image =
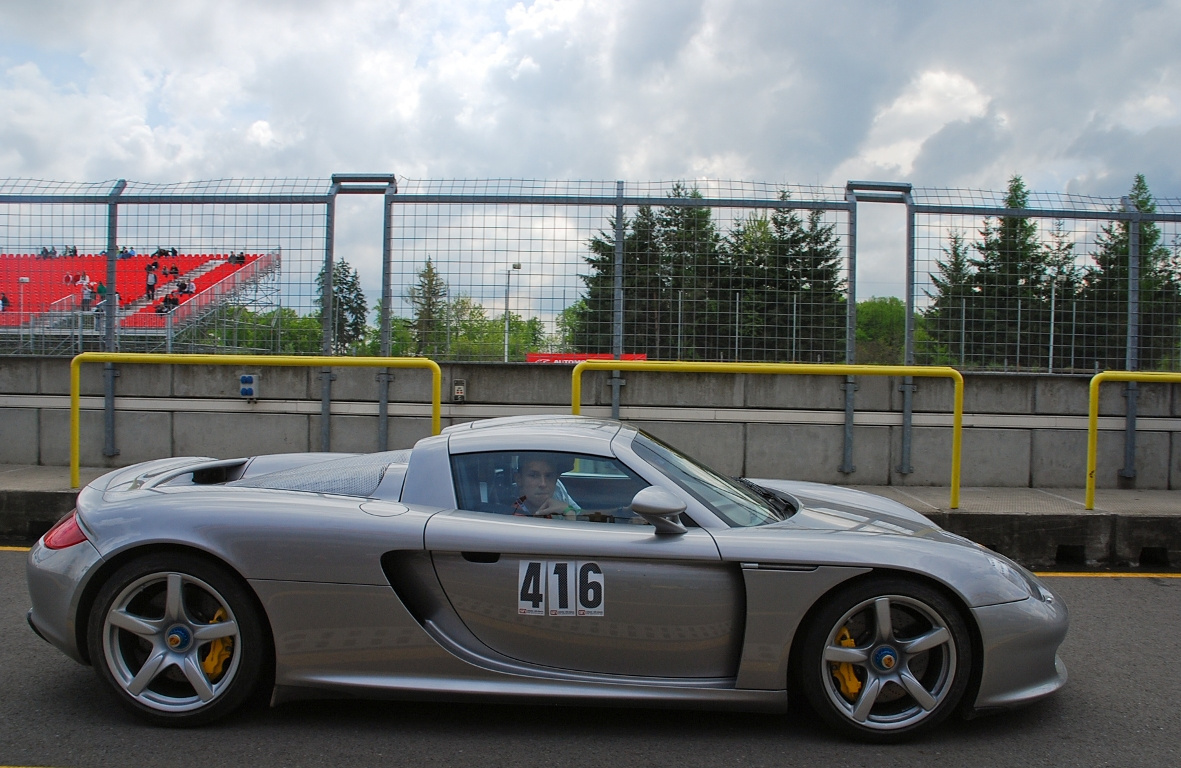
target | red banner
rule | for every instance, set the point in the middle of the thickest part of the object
(574, 358)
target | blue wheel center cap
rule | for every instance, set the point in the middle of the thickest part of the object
(178, 638)
(885, 658)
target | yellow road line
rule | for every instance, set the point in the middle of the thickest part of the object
(12, 549)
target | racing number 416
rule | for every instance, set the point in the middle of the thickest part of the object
(560, 588)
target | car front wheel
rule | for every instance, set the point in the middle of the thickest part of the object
(178, 639)
(885, 659)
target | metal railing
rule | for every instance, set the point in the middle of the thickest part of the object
(1093, 419)
(111, 358)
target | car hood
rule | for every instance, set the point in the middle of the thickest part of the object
(832, 507)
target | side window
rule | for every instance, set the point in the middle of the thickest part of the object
(547, 484)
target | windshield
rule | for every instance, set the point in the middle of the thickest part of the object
(734, 503)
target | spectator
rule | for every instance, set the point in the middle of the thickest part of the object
(87, 296)
(173, 271)
(173, 252)
(101, 291)
(151, 289)
(4, 302)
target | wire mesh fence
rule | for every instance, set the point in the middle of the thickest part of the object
(494, 270)
(509, 270)
(227, 265)
(1037, 282)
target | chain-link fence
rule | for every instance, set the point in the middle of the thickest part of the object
(214, 266)
(494, 270)
(1046, 282)
(513, 270)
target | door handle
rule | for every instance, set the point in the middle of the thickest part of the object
(481, 557)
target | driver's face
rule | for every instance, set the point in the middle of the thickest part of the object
(537, 480)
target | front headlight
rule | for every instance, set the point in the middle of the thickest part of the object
(1019, 577)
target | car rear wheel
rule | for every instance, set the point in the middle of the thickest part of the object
(178, 639)
(885, 659)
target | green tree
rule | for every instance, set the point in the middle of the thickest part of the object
(1010, 284)
(1104, 293)
(946, 315)
(349, 307)
(698, 314)
(428, 300)
(881, 331)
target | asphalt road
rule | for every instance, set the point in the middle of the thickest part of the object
(1122, 707)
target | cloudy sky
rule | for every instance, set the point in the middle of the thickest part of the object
(1075, 95)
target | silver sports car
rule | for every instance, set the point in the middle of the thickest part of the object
(559, 559)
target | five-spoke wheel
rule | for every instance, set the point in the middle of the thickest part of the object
(886, 658)
(177, 638)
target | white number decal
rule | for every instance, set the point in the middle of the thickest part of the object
(560, 588)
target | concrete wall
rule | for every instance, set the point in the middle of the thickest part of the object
(1020, 430)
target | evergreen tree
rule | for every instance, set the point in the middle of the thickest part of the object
(428, 298)
(953, 299)
(1105, 293)
(1012, 281)
(690, 244)
(349, 307)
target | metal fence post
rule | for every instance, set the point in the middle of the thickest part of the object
(617, 301)
(328, 327)
(1132, 350)
(111, 311)
(904, 465)
(850, 386)
(387, 295)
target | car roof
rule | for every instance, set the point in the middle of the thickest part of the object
(541, 432)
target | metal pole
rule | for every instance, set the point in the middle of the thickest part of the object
(737, 322)
(1132, 350)
(387, 297)
(327, 325)
(904, 465)
(1053, 296)
(850, 385)
(617, 300)
(1073, 324)
(963, 328)
(111, 311)
(1018, 358)
(508, 274)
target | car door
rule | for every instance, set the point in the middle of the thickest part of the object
(599, 593)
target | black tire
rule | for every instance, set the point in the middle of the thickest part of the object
(177, 639)
(900, 670)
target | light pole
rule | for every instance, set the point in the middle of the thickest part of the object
(23, 282)
(508, 274)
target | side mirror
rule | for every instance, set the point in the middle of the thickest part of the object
(660, 508)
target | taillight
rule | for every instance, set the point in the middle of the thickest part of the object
(64, 533)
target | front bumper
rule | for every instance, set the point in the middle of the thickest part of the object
(1020, 644)
(56, 579)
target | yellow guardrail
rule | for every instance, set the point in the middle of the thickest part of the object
(799, 369)
(1093, 415)
(319, 361)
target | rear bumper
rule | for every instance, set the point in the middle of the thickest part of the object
(56, 578)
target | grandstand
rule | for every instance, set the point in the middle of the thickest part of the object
(46, 295)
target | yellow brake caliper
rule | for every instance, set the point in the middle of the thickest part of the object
(219, 651)
(843, 672)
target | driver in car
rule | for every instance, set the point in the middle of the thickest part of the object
(540, 492)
